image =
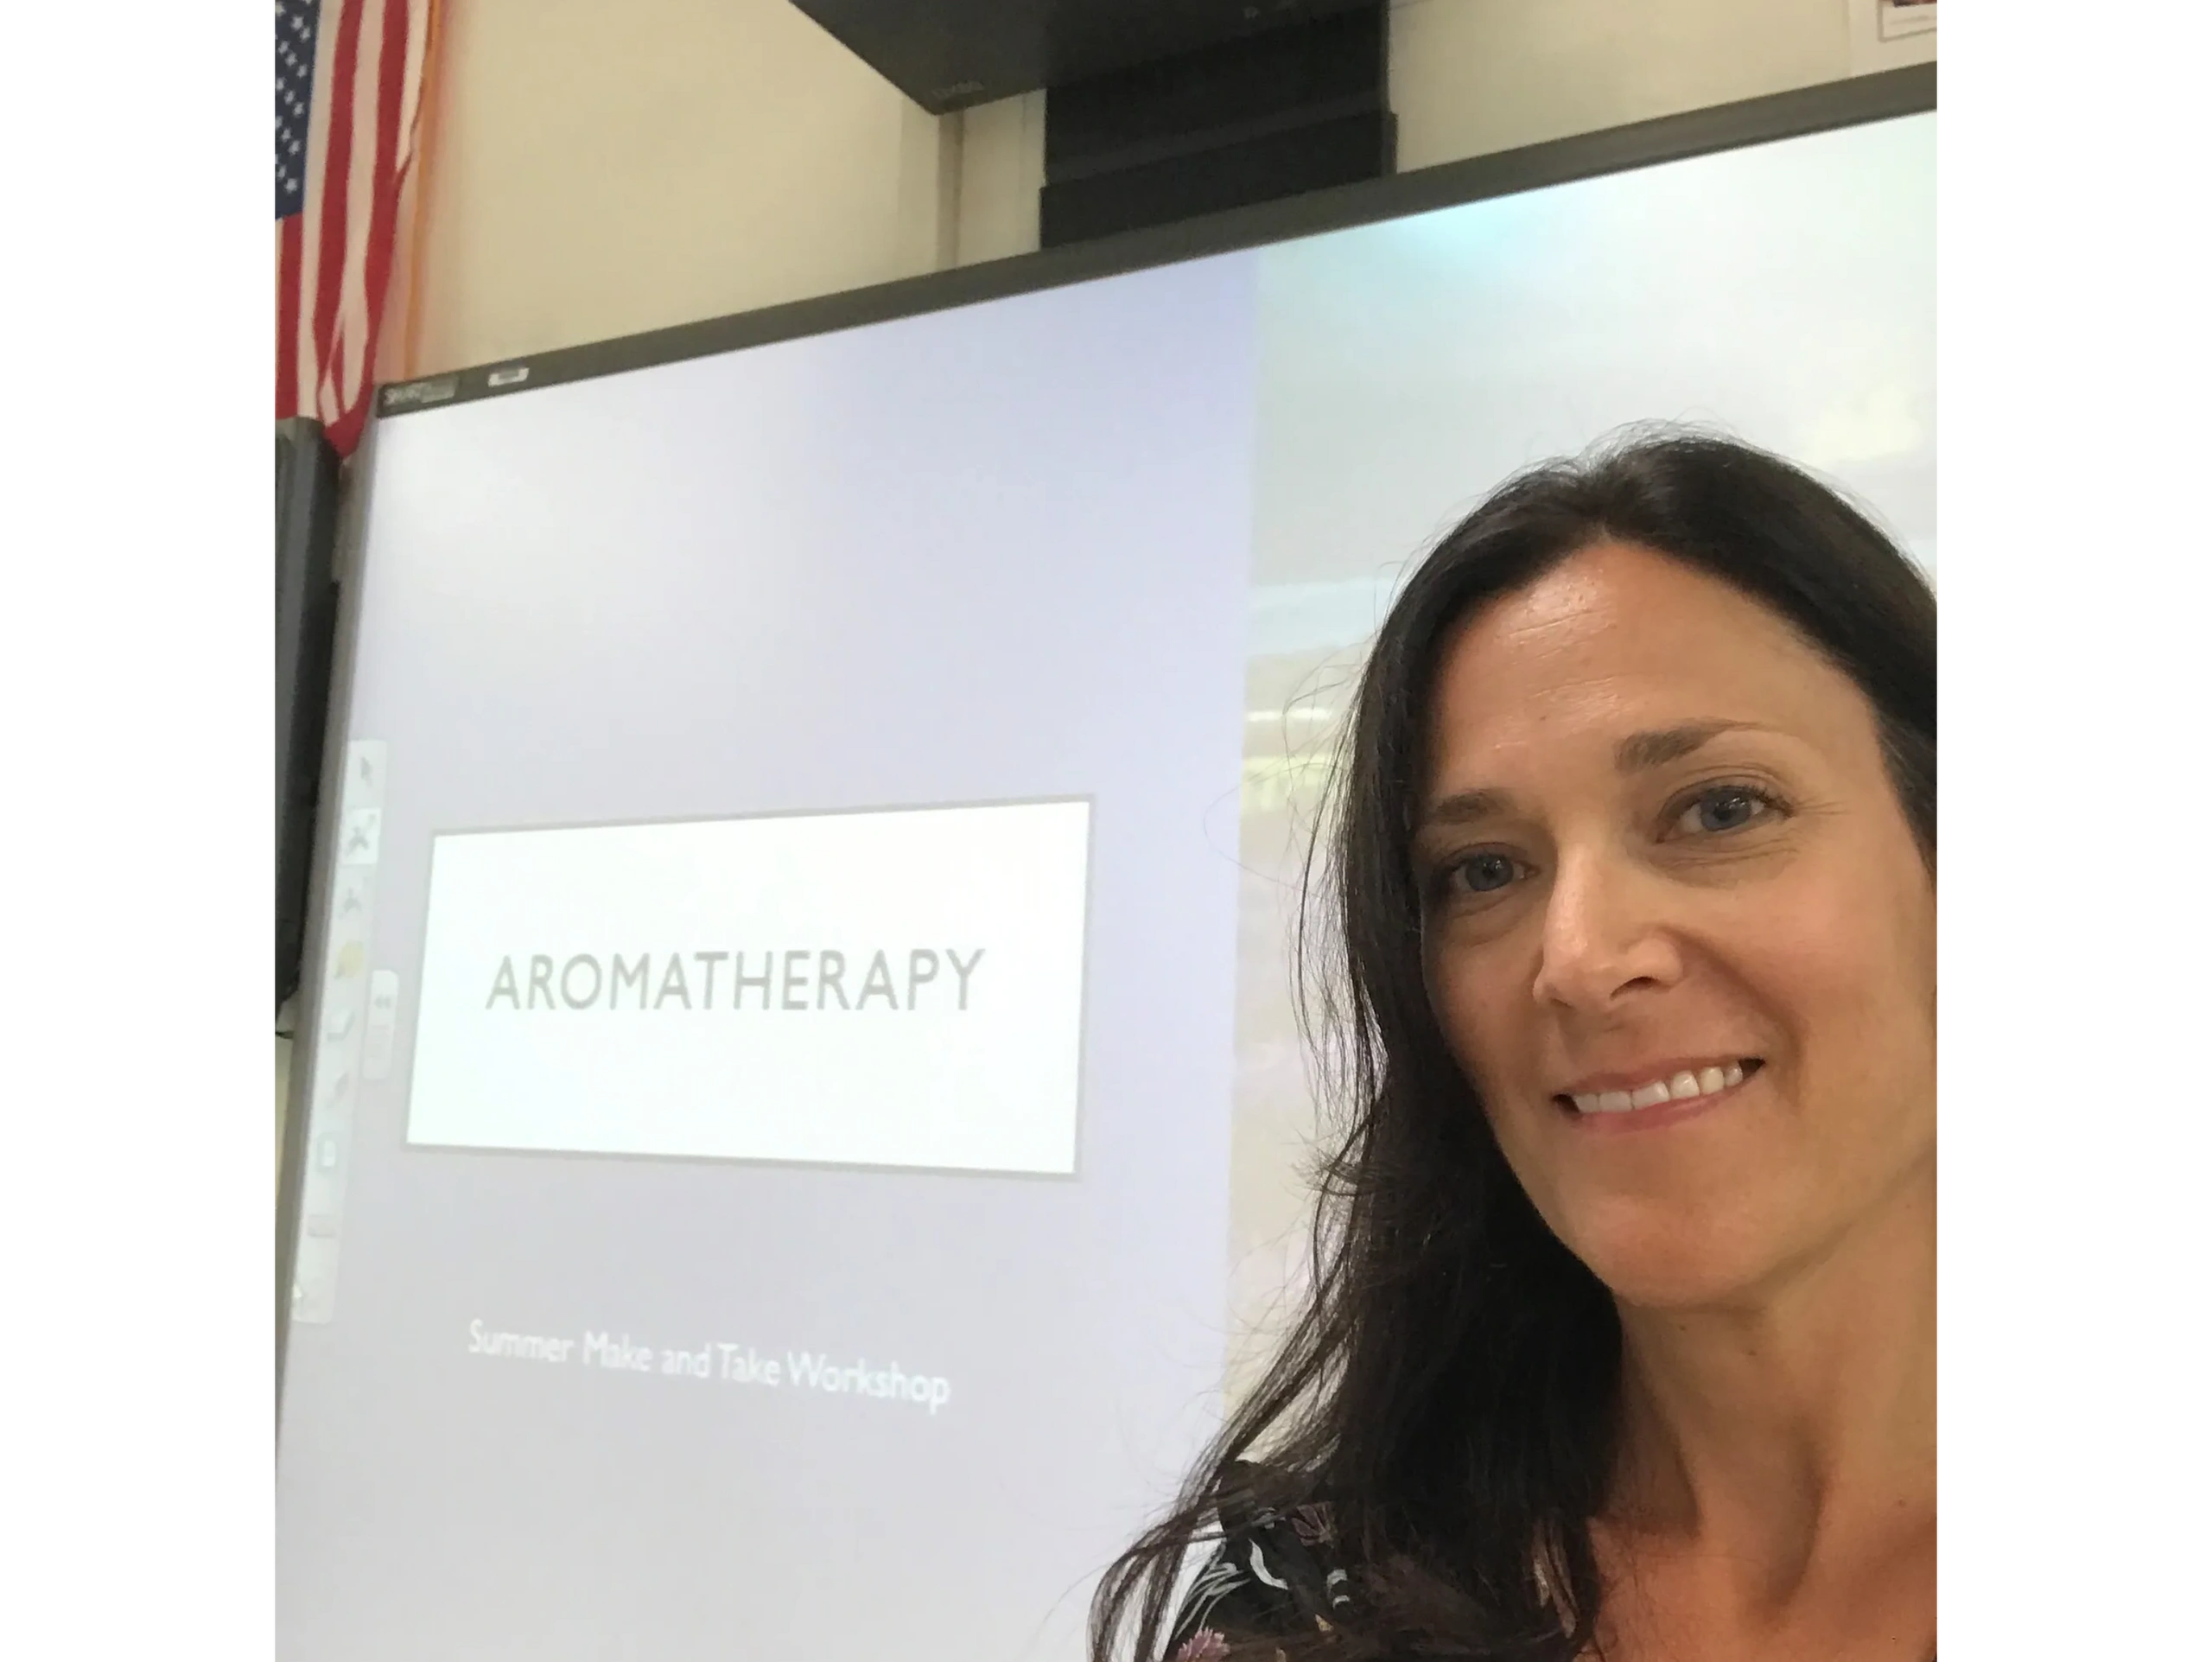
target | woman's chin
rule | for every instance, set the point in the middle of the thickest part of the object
(1678, 1262)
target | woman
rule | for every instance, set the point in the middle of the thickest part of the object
(1623, 1337)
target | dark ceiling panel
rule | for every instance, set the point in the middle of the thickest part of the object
(947, 54)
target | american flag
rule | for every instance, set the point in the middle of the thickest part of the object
(349, 84)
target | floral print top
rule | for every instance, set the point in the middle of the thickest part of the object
(1275, 1572)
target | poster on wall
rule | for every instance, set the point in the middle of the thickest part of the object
(1890, 34)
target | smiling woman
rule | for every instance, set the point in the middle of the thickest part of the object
(1622, 1342)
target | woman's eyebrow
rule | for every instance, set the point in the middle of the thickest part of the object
(1638, 751)
(1659, 747)
(1464, 807)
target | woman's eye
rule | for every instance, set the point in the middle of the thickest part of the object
(1724, 808)
(1483, 874)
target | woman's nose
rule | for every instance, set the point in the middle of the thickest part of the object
(1604, 935)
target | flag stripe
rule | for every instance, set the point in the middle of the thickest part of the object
(288, 315)
(361, 193)
(329, 222)
(366, 301)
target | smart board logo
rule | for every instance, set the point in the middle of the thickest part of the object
(437, 390)
(816, 980)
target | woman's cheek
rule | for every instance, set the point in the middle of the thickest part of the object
(1811, 945)
(1474, 1007)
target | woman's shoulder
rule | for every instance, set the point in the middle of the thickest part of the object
(1276, 1569)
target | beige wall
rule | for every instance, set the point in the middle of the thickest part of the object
(598, 167)
(1468, 77)
(601, 167)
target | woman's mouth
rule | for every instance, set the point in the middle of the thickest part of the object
(1682, 1085)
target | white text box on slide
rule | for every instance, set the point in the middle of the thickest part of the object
(901, 988)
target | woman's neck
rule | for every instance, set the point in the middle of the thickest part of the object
(1796, 1424)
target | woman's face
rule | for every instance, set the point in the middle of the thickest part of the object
(1677, 929)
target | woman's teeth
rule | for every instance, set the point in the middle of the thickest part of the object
(1682, 1087)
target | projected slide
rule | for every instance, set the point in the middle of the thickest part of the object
(798, 819)
(899, 989)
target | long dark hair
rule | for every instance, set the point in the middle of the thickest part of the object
(1450, 1385)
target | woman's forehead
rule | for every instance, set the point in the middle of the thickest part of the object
(1617, 639)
